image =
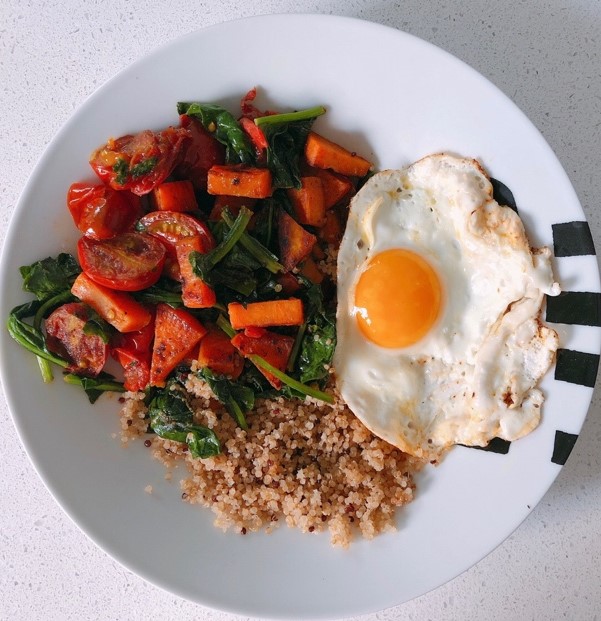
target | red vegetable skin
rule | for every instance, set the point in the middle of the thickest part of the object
(195, 292)
(218, 354)
(170, 227)
(116, 307)
(134, 354)
(100, 212)
(140, 162)
(272, 347)
(129, 262)
(201, 152)
(176, 332)
(65, 337)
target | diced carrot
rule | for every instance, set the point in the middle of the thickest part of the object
(288, 282)
(218, 354)
(239, 180)
(262, 314)
(195, 292)
(295, 242)
(309, 269)
(176, 331)
(308, 201)
(324, 153)
(335, 187)
(272, 347)
(116, 307)
(233, 203)
(175, 196)
(331, 231)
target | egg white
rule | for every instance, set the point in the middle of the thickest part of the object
(473, 376)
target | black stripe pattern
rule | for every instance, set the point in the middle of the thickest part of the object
(581, 308)
(576, 367)
(502, 194)
(496, 445)
(572, 239)
(564, 443)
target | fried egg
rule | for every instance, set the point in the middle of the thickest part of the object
(440, 340)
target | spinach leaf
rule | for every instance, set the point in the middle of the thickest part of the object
(165, 290)
(95, 386)
(286, 135)
(97, 326)
(50, 276)
(171, 417)
(237, 398)
(224, 127)
(317, 349)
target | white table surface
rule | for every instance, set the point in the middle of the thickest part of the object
(545, 55)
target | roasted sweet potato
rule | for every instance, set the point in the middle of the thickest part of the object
(175, 196)
(336, 187)
(295, 242)
(216, 352)
(233, 203)
(176, 331)
(309, 269)
(263, 314)
(331, 231)
(239, 180)
(195, 292)
(324, 153)
(308, 201)
(288, 282)
(272, 347)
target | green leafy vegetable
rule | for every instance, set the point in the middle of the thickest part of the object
(50, 276)
(224, 127)
(317, 349)
(165, 290)
(286, 135)
(121, 169)
(143, 167)
(172, 418)
(237, 398)
(95, 386)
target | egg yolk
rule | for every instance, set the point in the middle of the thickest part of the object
(397, 298)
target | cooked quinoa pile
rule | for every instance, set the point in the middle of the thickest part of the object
(311, 465)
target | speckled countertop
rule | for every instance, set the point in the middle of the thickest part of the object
(545, 55)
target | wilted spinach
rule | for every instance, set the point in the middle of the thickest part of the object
(237, 398)
(50, 276)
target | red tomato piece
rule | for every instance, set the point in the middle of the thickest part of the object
(170, 227)
(202, 152)
(195, 292)
(176, 332)
(140, 162)
(65, 337)
(255, 134)
(101, 212)
(134, 353)
(129, 262)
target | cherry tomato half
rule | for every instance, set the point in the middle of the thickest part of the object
(65, 336)
(139, 162)
(101, 212)
(129, 262)
(170, 227)
(200, 153)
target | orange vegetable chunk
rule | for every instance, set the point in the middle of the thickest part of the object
(218, 354)
(175, 196)
(272, 347)
(176, 332)
(331, 231)
(295, 241)
(309, 269)
(233, 203)
(263, 314)
(195, 292)
(116, 307)
(239, 180)
(324, 153)
(335, 186)
(308, 201)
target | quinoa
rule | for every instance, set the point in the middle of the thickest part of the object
(307, 464)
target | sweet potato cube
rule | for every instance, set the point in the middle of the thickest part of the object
(263, 314)
(175, 196)
(335, 187)
(272, 347)
(331, 231)
(308, 201)
(309, 269)
(295, 242)
(216, 352)
(324, 153)
(239, 180)
(195, 292)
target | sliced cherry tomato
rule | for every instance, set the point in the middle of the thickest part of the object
(65, 337)
(201, 152)
(134, 354)
(170, 227)
(139, 162)
(129, 262)
(248, 107)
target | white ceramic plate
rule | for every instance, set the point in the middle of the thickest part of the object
(395, 99)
